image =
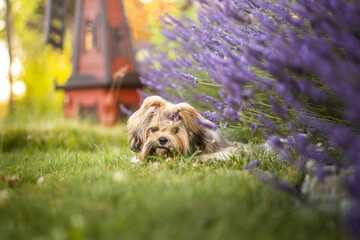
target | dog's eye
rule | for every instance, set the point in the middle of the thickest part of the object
(175, 130)
(154, 129)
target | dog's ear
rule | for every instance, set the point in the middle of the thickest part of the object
(137, 123)
(202, 136)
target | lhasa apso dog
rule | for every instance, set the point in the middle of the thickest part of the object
(160, 128)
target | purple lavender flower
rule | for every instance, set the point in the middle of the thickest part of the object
(209, 99)
(211, 116)
(254, 128)
(275, 142)
(125, 110)
(188, 77)
(205, 123)
(353, 187)
(288, 67)
(280, 184)
(252, 164)
(230, 114)
(175, 117)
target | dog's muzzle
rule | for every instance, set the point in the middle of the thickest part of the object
(162, 141)
(163, 147)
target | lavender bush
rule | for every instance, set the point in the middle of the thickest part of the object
(291, 69)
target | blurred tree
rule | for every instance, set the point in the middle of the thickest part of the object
(143, 17)
(9, 47)
(2, 20)
(41, 64)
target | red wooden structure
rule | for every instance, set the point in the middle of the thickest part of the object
(103, 65)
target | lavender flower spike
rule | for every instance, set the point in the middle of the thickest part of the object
(205, 123)
(125, 110)
(252, 165)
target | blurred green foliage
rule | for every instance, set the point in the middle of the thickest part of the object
(42, 64)
(59, 134)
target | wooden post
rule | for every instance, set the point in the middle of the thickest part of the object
(8, 34)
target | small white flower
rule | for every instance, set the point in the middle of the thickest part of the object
(40, 180)
(295, 17)
(135, 160)
(156, 165)
(196, 165)
(4, 194)
(119, 176)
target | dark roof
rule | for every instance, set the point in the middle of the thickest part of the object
(131, 80)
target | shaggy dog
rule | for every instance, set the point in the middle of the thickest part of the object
(160, 128)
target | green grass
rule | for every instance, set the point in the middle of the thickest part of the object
(76, 181)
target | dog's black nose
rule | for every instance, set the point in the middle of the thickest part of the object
(162, 141)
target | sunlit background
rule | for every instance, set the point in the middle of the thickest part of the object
(36, 66)
(18, 86)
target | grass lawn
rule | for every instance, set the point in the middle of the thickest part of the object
(76, 181)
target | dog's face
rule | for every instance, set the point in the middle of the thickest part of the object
(165, 136)
(160, 128)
